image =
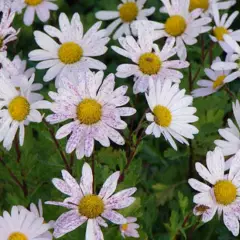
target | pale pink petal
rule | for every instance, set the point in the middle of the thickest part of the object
(114, 217)
(61, 204)
(62, 186)
(65, 130)
(72, 183)
(73, 141)
(231, 222)
(68, 222)
(109, 186)
(88, 146)
(86, 179)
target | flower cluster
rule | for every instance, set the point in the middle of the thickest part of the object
(88, 107)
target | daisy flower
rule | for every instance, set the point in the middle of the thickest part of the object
(149, 61)
(129, 229)
(38, 212)
(86, 206)
(221, 195)
(222, 28)
(15, 69)
(7, 33)
(17, 110)
(41, 7)
(214, 83)
(231, 135)
(233, 64)
(95, 111)
(128, 11)
(24, 225)
(74, 51)
(171, 113)
(13, 5)
(207, 5)
(183, 25)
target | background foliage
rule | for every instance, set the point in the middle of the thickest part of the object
(164, 199)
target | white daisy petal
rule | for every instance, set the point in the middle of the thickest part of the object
(231, 222)
(114, 217)
(86, 179)
(67, 222)
(109, 186)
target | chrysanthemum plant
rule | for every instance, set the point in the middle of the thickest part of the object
(128, 128)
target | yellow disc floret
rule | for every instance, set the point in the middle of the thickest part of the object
(19, 108)
(128, 11)
(225, 192)
(219, 81)
(70, 53)
(219, 32)
(175, 25)
(33, 2)
(124, 227)
(149, 63)
(17, 236)
(91, 206)
(89, 111)
(194, 4)
(163, 116)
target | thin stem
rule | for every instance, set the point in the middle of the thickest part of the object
(131, 156)
(133, 152)
(202, 48)
(185, 221)
(57, 145)
(18, 152)
(71, 161)
(141, 121)
(190, 235)
(190, 79)
(211, 52)
(13, 176)
(199, 69)
(229, 92)
(134, 116)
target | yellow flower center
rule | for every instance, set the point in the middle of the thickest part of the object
(89, 111)
(70, 53)
(128, 11)
(163, 116)
(225, 192)
(219, 32)
(149, 63)
(194, 4)
(218, 82)
(202, 208)
(33, 2)
(17, 236)
(19, 108)
(124, 227)
(175, 25)
(91, 206)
